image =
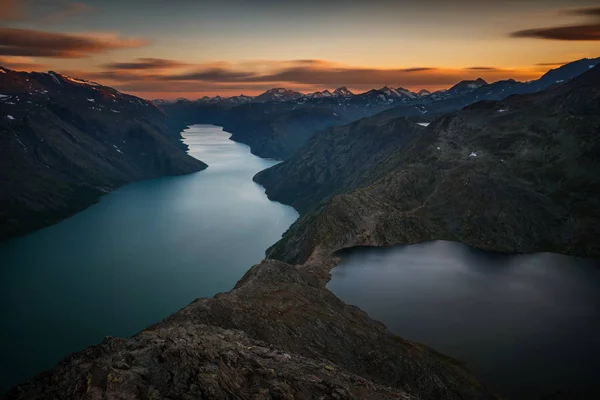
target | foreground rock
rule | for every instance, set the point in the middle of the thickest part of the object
(279, 334)
(518, 175)
(64, 142)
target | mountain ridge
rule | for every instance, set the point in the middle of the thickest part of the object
(64, 142)
(515, 175)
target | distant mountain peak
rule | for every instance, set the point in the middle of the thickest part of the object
(278, 94)
(342, 91)
(468, 85)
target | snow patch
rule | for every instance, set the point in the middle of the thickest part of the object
(502, 110)
(2, 96)
(10, 117)
(56, 79)
(438, 148)
(91, 100)
(115, 111)
(473, 154)
(423, 123)
(559, 81)
(117, 149)
(2, 71)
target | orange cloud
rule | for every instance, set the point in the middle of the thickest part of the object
(21, 64)
(31, 43)
(158, 77)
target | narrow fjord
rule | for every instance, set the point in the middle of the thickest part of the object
(140, 254)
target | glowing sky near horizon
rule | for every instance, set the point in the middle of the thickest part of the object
(186, 48)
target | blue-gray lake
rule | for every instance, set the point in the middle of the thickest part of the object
(141, 253)
(527, 325)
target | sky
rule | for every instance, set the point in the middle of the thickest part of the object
(192, 48)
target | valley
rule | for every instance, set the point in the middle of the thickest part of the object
(507, 167)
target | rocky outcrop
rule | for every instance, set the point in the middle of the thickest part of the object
(279, 334)
(518, 175)
(64, 142)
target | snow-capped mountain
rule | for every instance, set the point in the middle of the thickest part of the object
(319, 95)
(277, 94)
(466, 86)
(342, 92)
(405, 92)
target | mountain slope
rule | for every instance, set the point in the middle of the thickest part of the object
(279, 334)
(64, 142)
(336, 160)
(518, 175)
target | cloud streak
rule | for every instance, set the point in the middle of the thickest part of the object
(589, 32)
(579, 32)
(146, 64)
(21, 64)
(33, 43)
(144, 76)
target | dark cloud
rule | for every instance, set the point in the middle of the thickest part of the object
(481, 69)
(213, 75)
(146, 64)
(582, 32)
(420, 69)
(25, 42)
(585, 11)
(589, 32)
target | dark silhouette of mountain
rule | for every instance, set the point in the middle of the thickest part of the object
(277, 95)
(516, 175)
(64, 142)
(280, 127)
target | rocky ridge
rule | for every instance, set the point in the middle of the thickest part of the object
(518, 175)
(279, 334)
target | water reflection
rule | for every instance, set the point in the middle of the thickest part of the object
(526, 324)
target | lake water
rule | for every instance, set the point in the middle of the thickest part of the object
(527, 325)
(141, 253)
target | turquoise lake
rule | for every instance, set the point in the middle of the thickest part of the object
(141, 253)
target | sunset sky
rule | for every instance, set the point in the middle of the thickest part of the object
(187, 48)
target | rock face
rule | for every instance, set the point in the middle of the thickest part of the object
(518, 175)
(279, 334)
(64, 142)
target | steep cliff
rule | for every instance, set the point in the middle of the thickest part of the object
(64, 142)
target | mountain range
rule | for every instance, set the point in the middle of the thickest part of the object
(514, 175)
(278, 122)
(507, 166)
